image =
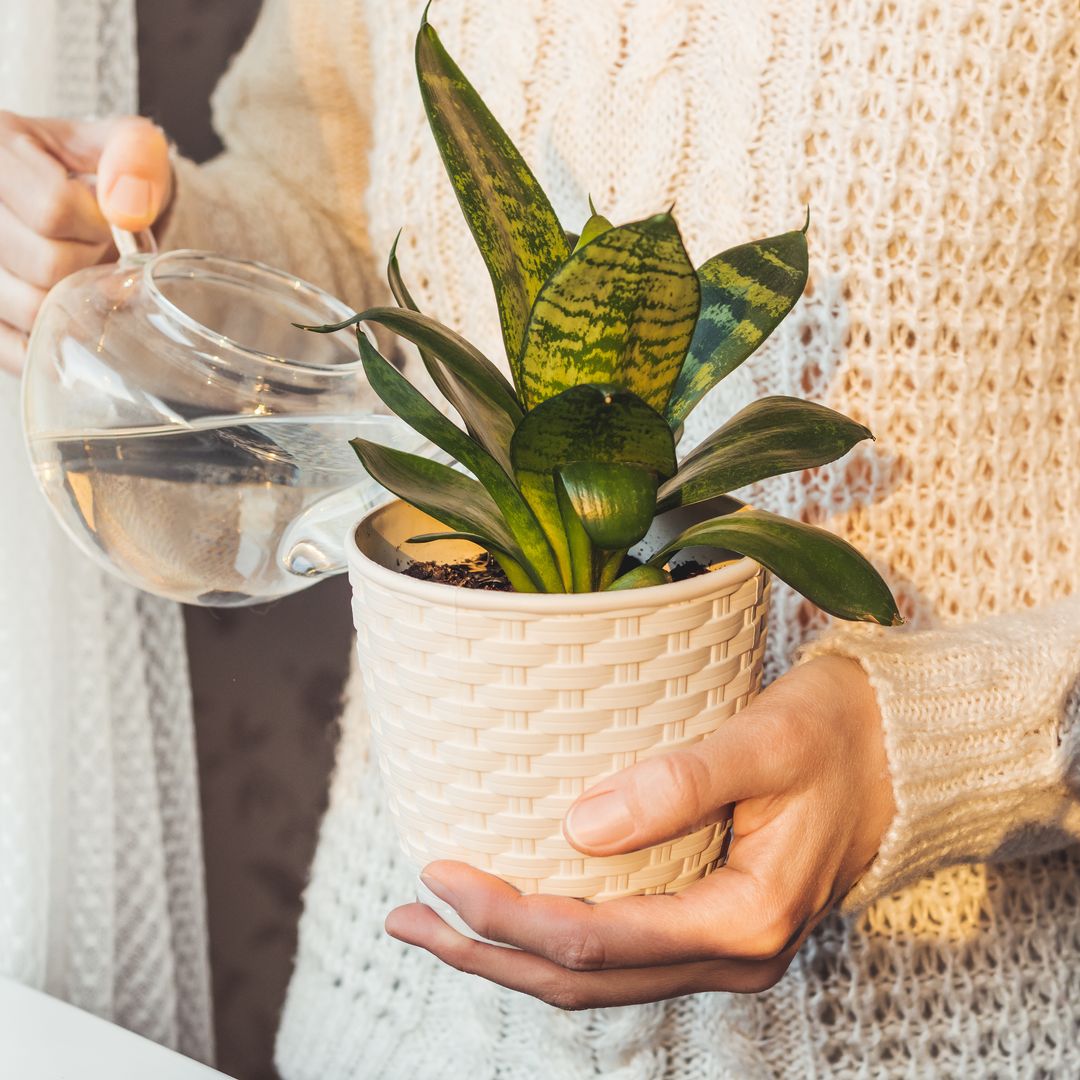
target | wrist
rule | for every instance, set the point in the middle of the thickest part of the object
(970, 724)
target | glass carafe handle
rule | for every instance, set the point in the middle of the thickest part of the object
(133, 244)
(129, 245)
(314, 545)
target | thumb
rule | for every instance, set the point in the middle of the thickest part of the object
(131, 158)
(134, 174)
(673, 794)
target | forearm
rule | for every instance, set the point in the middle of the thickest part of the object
(982, 732)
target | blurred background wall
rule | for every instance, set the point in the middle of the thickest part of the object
(266, 681)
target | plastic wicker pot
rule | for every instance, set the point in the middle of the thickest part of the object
(492, 711)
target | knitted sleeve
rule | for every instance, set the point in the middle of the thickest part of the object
(294, 119)
(982, 733)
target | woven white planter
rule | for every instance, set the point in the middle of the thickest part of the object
(491, 711)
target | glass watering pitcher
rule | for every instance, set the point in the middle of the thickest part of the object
(192, 440)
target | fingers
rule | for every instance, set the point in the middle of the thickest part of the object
(12, 350)
(673, 794)
(727, 916)
(19, 302)
(566, 989)
(134, 174)
(39, 260)
(39, 191)
(130, 156)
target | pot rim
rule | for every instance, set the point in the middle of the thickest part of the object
(593, 603)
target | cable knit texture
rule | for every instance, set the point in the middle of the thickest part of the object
(938, 145)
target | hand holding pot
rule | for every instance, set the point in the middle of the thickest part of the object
(50, 223)
(804, 765)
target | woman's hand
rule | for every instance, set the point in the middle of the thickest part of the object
(804, 765)
(50, 223)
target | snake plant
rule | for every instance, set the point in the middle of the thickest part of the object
(612, 337)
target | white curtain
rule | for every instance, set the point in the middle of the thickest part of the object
(101, 881)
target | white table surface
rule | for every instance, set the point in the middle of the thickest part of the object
(45, 1039)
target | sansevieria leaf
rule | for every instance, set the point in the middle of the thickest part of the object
(593, 422)
(511, 219)
(596, 225)
(485, 398)
(639, 578)
(826, 570)
(621, 309)
(444, 493)
(745, 294)
(610, 449)
(444, 381)
(615, 503)
(769, 437)
(407, 402)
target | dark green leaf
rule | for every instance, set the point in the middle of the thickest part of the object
(415, 409)
(444, 381)
(745, 294)
(825, 569)
(615, 503)
(639, 578)
(445, 494)
(511, 219)
(772, 436)
(621, 310)
(482, 395)
(578, 541)
(593, 423)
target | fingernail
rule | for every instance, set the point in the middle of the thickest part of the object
(599, 820)
(131, 197)
(439, 888)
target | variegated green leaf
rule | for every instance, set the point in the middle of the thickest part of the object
(769, 437)
(825, 569)
(594, 227)
(407, 402)
(621, 310)
(615, 503)
(485, 399)
(745, 294)
(511, 219)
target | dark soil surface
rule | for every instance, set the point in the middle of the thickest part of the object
(688, 570)
(481, 572)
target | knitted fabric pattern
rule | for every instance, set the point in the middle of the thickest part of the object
(101, 882)
(937, 146)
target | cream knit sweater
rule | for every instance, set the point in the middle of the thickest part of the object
(938, 144)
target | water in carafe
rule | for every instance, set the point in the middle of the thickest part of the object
(207, 511)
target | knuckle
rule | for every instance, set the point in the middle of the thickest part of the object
(684, 783)
(776, 935)
(563, 996)
(462, 956)
(52, 210)
(54, 262)
(582, 950)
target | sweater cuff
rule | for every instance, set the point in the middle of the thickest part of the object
(981, 735)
